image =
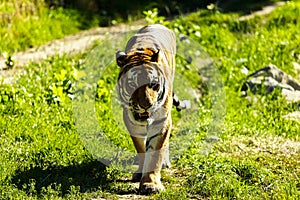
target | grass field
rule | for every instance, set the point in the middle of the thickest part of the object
(25, 24)
(257, 155)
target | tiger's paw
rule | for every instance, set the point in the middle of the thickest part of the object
(151, 188)
(136, 176)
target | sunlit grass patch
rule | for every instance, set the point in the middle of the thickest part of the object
(26, 24)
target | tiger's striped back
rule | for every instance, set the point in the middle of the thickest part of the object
(156, 38)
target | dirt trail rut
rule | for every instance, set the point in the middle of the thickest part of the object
(68, 45)
(79, 42)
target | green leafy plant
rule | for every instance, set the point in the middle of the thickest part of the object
(152, 17)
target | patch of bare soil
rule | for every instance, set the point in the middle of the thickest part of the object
(78, 43)
(279, 146)
(69, 45)
(266, 10)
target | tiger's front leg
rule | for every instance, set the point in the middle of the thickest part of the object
(139, 144)
(156, 147)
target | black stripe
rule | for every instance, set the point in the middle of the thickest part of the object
(149, 139)
(148, 147)
(158, 121)
(176, 101)
(161, 96)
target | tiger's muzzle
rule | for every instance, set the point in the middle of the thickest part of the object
(144, 100)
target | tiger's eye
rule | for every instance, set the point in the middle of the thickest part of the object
(154, 85)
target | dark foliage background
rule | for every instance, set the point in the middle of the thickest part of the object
(121, 10)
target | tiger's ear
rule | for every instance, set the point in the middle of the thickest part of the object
(151, 52)
(121, 58)
(154, 57)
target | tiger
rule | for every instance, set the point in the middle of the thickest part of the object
(145, 90)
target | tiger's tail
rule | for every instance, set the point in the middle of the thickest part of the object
(180, 104)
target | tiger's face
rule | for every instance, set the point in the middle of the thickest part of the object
(141, 90)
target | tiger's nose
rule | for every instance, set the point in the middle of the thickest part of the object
(144, 104)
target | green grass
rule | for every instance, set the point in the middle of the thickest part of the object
(257, 155)
(26, 24)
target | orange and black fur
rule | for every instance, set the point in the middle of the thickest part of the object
(145, 89)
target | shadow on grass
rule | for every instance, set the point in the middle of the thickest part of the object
(88, 176)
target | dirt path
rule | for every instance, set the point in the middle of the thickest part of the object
(79, 42)
(266, 10)
(68, 45)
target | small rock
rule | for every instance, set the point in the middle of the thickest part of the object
(291, 96)
(293, 116)
(265, 80)
(296, 66)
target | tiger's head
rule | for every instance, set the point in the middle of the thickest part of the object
(142, 86)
